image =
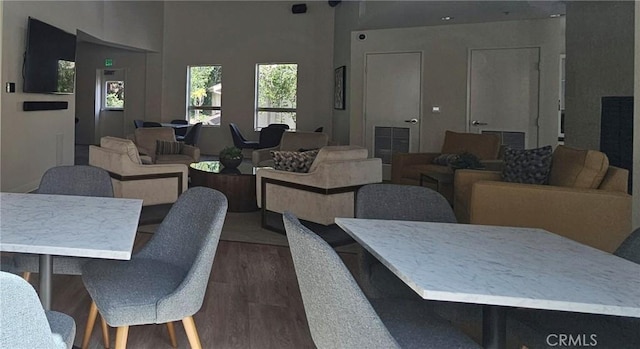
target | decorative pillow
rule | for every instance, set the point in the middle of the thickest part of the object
(445, 159)
(168, 147)
(293, 161)
(529, 166)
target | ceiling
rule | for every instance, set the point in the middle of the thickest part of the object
(381, 14)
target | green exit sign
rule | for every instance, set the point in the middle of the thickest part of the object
(108, 62)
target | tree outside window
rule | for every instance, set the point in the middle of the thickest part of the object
(115, 95)
(204, 94)
(276, 99)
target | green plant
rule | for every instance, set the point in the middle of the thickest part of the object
(231, 153)
(466, 160)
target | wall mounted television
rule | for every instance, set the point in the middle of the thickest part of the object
(49, 59)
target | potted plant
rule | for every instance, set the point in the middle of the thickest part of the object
(230, 157)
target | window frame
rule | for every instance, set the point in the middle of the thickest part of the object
(258, 109)
(189, 107)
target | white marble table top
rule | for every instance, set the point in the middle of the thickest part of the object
(68, 225)
(506, 266)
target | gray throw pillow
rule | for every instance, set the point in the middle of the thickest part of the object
(168, 147)
(445, 159)
(293, 161)
(530, 166)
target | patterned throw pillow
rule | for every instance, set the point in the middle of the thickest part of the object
(168, 147)
(445, 159)
(293, 161)
(529, 166)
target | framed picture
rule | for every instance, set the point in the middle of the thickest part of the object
(339, 88)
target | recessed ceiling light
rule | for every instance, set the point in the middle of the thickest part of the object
(556, 15)
(446, 18)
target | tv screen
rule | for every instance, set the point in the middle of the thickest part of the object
(49, 59)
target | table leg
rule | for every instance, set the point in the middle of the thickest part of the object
(494, 327)
(45, 271)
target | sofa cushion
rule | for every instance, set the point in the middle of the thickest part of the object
(484, 146)
(529, 166)
(168, 147)
(293, 161)
(121, 145)
(578, 168)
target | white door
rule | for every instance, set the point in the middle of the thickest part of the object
(110, 100)
(503, 94)
(392, 104)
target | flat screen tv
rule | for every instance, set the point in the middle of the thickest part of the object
(49, 59)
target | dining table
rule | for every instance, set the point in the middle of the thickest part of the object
(500, 268)
(67, 225)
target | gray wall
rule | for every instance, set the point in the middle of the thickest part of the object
(238, 35)
(600, 62)
(32, 142)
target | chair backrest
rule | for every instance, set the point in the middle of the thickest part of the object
(23, 323)
(485, 146)
(338, 313)
(146, 137)
(338, 153)
(76, 180)
(138, 123)
(402, 202)
(151, 124)
(180, 122)
(188, 237)
(238, 139)
(270, 136)
(630, 247)
(295, 141)
(193, 135)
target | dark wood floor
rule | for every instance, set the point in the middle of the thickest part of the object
(252, 301)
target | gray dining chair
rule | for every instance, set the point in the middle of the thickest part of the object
(23, 321)
(166, 280)
(630, 247)
(339, 314)
(395, 202)
(79, 180)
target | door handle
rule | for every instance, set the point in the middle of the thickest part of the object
(412, 121)
(478, 123)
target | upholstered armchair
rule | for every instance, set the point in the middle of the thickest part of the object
(325, 192)
(170, 152)
(586, 200)
(290, 141)
(154, 184)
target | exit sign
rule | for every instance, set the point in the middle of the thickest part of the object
(108, 62)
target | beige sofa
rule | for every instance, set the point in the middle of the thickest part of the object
(291, 141)
(586, 199)
(154, 184)
(145, 139)
(326, 191)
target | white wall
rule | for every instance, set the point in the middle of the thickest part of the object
(445, 54)
(35, 141)
(238, 35)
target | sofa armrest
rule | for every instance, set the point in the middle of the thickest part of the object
(463, 181)
(260, 155)
(191, 151)
(401, 160)
(598, 218)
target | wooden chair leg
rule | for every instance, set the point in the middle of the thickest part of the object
(105, 333)
(91, 320)
(192, 332)
(121, 337)
(172, 334)
(26, 275)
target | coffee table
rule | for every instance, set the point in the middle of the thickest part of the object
(239, 184)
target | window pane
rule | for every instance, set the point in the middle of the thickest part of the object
(206, 117)
(268, 117)
(277, 88)
(205, 90)
(115, 95)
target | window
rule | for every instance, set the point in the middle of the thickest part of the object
(204, 94)
(276, 94)
(114, 96)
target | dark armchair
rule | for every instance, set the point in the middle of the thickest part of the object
(239, 141)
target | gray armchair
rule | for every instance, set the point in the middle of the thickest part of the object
(339, 314)
(167, 279)
(630, 247)
(23, 321)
